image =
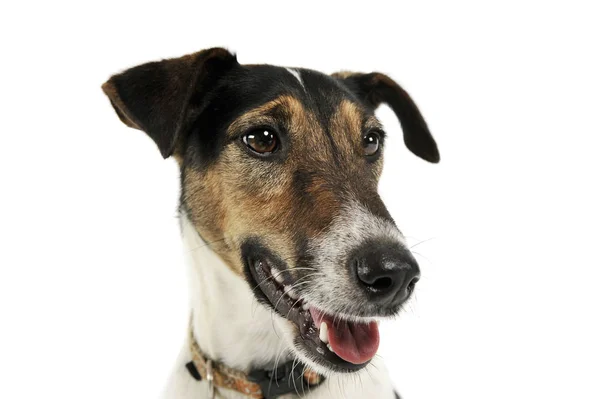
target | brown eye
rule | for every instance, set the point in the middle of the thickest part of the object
(262, 141)
(371, 143)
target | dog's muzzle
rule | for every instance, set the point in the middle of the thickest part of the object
(334, 308)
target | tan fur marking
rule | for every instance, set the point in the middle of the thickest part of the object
(344, 74)
(241, 196)
(346, 128)
(261, 115)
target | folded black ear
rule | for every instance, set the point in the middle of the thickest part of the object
(158, 97)
(376, 88)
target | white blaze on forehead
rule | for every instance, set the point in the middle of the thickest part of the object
(296, 74)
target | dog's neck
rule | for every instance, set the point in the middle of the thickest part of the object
(228, 323)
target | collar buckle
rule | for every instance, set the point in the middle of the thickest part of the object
(210, 379)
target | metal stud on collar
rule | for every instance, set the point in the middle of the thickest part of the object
(210, 379)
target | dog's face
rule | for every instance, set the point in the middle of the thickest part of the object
(279, 172)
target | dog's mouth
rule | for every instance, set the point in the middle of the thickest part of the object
(329, 340)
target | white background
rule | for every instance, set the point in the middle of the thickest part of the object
(93, 299)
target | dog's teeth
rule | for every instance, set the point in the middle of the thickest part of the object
(305, 306)
(277, 275)
(329, 347)
(289, 291)
(323, 334)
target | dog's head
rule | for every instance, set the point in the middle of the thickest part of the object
(279, 174)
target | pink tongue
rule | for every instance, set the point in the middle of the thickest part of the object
(354, 342)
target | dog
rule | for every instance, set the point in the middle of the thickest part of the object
(293, 255)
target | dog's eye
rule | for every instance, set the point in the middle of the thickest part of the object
(371, 142)
(262, 141)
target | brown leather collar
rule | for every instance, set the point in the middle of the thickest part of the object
(253, 385)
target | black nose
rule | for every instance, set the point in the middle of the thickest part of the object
(386, 271)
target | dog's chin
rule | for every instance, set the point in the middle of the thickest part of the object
(347, 347)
